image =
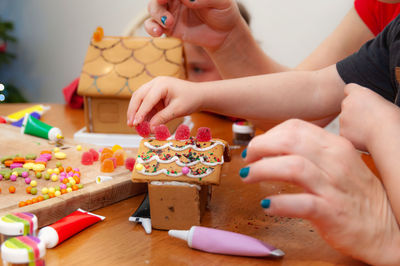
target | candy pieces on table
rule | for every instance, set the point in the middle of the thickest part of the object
(60, 155)
(143, 129)
(119, 155)
(116, 147)
(104, 156)
(95, 154)
(130, 163)
(182, 132)
(107, 166)
(162, 132)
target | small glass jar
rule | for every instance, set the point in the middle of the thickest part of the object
(243, 132)
(23, 250)
(18, 224)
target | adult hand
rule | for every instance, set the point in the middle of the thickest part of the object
(364, 112)
(161, 100)
(342, 198)
(205, 23)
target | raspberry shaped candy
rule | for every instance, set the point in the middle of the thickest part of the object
(130, 163)
(203, 134)
(95, 154)
(162, 132)
(182, 132)
(143, 129)
(87, 158)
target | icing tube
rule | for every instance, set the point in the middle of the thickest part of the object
(142, 215)
(35, 127)
(225, 242)
(68, 226)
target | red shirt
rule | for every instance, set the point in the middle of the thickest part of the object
(376, 15)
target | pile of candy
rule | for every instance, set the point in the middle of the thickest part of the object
(112, 158)
(32, 166)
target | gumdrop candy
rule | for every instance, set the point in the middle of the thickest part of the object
(143, 129)
(130, 163)
(162, 132)
(203, 134)
(120, 156)
(107, 166)
(104, 156)
(87, 158)
(107, 150)
(114, 160)
(182, 132)
(95, 154)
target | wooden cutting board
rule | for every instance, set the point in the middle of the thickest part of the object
(92, 196)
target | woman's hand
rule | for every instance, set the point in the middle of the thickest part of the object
(342, 198)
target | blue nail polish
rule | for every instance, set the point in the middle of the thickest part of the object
(163, 19)
(244, 172)
(244, 153)
(265, 203)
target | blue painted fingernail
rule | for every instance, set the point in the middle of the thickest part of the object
(163, 19)
(244, 153)
(244, 172)
(265, 203)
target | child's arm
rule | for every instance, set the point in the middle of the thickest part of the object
(276, 97)
(373, 124)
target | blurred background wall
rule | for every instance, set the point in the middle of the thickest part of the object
(53, 35)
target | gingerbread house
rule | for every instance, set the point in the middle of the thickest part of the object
(179, 174)
(114, 67)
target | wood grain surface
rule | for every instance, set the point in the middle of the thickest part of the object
(234, 206)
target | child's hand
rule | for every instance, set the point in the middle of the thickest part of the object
(365, 115)
(163, 99)
(206, 23)
(342, 198)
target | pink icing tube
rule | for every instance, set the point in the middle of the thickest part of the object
(225, 242)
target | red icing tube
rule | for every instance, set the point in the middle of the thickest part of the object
(68, 226)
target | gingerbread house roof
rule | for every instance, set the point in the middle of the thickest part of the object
(167, 160)
(117, 66)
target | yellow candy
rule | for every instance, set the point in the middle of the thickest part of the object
(45, 190)
(139, 167)
(56, 170)
(15, 173)
(28, 166)
(56, 149)
(116, 147)
(54, 178)
(38, 167)
(52, 190)
(60, 155)
(78, 147)
(72, 181)
(69, 189)
(33, 183)
(57, 193)
(49, 171)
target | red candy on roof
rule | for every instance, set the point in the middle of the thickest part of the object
(182, 132)
(143, 129)
(203, 134)
(162, 132)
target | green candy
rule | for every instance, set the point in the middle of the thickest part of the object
(58, 164)
(4, 171)
(46, 196)
(38, 175)
(7, 176)
(69, 184)
(80, 186)
(33, 191)
(57, 188)
(30, 156)
(47, 176)
(20, 170)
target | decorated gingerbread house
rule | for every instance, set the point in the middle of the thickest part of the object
(115, 67)
(180, 173)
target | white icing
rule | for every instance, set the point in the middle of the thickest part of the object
(194, 147)
(165, 171)
(174, 183)
(178, 161)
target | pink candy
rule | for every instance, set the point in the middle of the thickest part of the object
(63, 186)
(16, 165)
(130, 163)
(162, 132)
(25, 174)
(143, 129)
(95, 154)
(27, 180)
(13, 178)
(182, 132)
(203, 134)
(87, 158)
(185, 170)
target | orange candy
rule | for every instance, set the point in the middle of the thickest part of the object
(104, 156)
(21, 204)
(28, 189)
(61, 169)
(120, 156)
(107, 150)
(19, 160)
(75, 187)
(40, 198)
(65, 180)
(51, 194)
(28, 202)
(77, 179)
(8, 163)
(98, 34)
(43, 152)
(63, 191)
(68, 169)
(11, 189)
(34, 200)
(107, 166)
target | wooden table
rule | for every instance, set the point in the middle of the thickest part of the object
(234, 207)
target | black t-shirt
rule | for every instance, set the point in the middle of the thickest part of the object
(374, 65)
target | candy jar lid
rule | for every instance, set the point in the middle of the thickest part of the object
(23, 249)
(18, 223)
(243, 127)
